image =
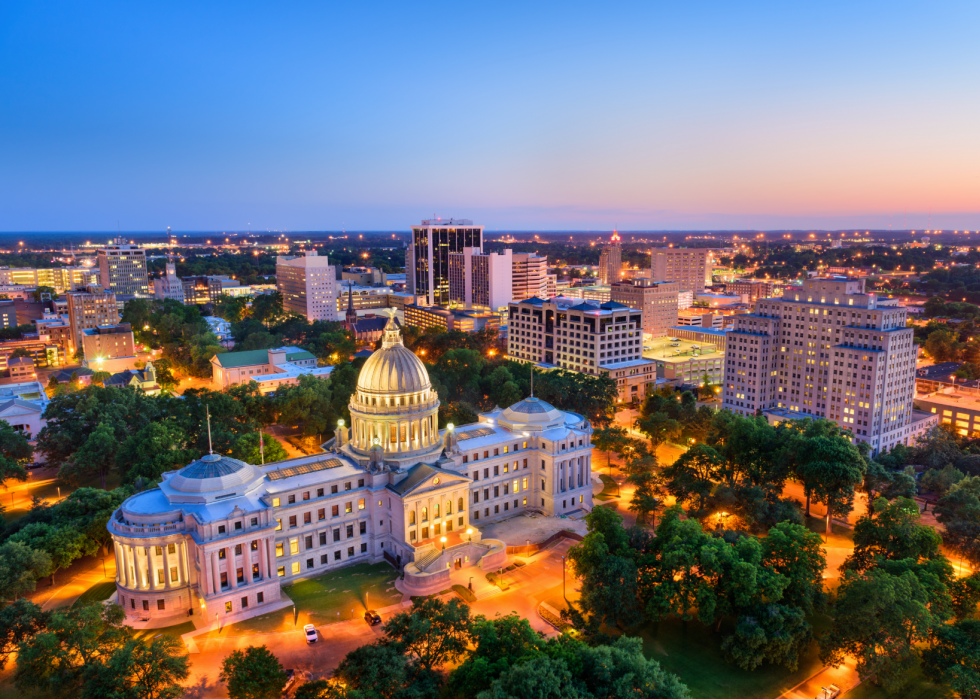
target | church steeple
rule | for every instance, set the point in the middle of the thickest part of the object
(351, 315)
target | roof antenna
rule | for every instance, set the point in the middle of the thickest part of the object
(210, 447)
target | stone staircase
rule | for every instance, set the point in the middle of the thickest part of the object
(423, 561)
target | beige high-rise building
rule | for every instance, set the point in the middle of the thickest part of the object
(689, 267)
(122, 268)
(657, 300)
(827, 350)
(88, 310)
(529, 276)
(611, 261)
(308, 285)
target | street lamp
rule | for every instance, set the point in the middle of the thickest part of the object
(469, 533)
(443, 540)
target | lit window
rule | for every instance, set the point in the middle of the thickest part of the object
(275, 502)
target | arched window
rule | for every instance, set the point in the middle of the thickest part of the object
(449, 508)
(460, 507)
(425, 514)
(436, 510)
(411, 518)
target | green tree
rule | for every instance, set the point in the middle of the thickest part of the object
(646, 501)
(693, 475)
(20, 568)
(140, 669)
(959, 513)
(539, 678)
(381, 670)
(499, 644)
(608, 439)
(76, 640)
(942, 345)
(433, 632)
(953, 658)
(830, 472)
(881, 619)
(892, 531)
(64, 544)
(96, 456)
(15, 453)
(660, 428)
(621, 671)
(155, 449)
(254, 673)
(796, 553)
(87, 510)
(773, 633)
(940, 481)
(307, 403)
(247, 449)
(19, 621)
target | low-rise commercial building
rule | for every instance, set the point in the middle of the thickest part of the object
(106, 343)
(269, 368)
(464, 320)
(686, 362)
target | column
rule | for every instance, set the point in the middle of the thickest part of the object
(206, 572)
(115, 552)
(124, 574)
(216, 573)
(129, 556)
(184, 565)
(151, 578)
(166, 567)
(230, 561)
(263, 561)
(270, 549)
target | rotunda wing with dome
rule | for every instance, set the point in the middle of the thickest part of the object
(531, 414)
(213, 477)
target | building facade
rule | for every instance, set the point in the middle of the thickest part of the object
(122, 268)
(308, 285)
(611, 261)
(429, 253)
(598, 339)
(61, 279)
(529, 276)
(88, 310)
(169, 286)
(751, 289)
(481, 280)
(464, 320)
(270, 369)
(826, 349)
(689, 267)
(657, 300)
(220, 536)
(106, 342)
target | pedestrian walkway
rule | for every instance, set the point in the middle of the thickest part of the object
(846, 677)
(63, 595)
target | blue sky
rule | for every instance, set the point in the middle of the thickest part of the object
(370, 116)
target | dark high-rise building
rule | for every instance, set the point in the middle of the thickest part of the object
(428, 256)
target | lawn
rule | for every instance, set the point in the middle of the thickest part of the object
(99, 592)
(326, 599)
(48, 491)
(919, 688)
(610, 489)
(693, 653)
(177, 630)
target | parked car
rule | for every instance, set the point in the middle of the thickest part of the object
(372, 617)
(831, 691)
(311, 635)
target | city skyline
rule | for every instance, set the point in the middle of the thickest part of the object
(323, 118)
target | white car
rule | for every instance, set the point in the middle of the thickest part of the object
(311, 635)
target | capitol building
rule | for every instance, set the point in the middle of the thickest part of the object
(219, 537)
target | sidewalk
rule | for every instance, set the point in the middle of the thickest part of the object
(65, 594)
(845, 677)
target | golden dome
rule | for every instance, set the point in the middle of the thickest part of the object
(393, 369)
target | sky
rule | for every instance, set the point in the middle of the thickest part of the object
(545, 116)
